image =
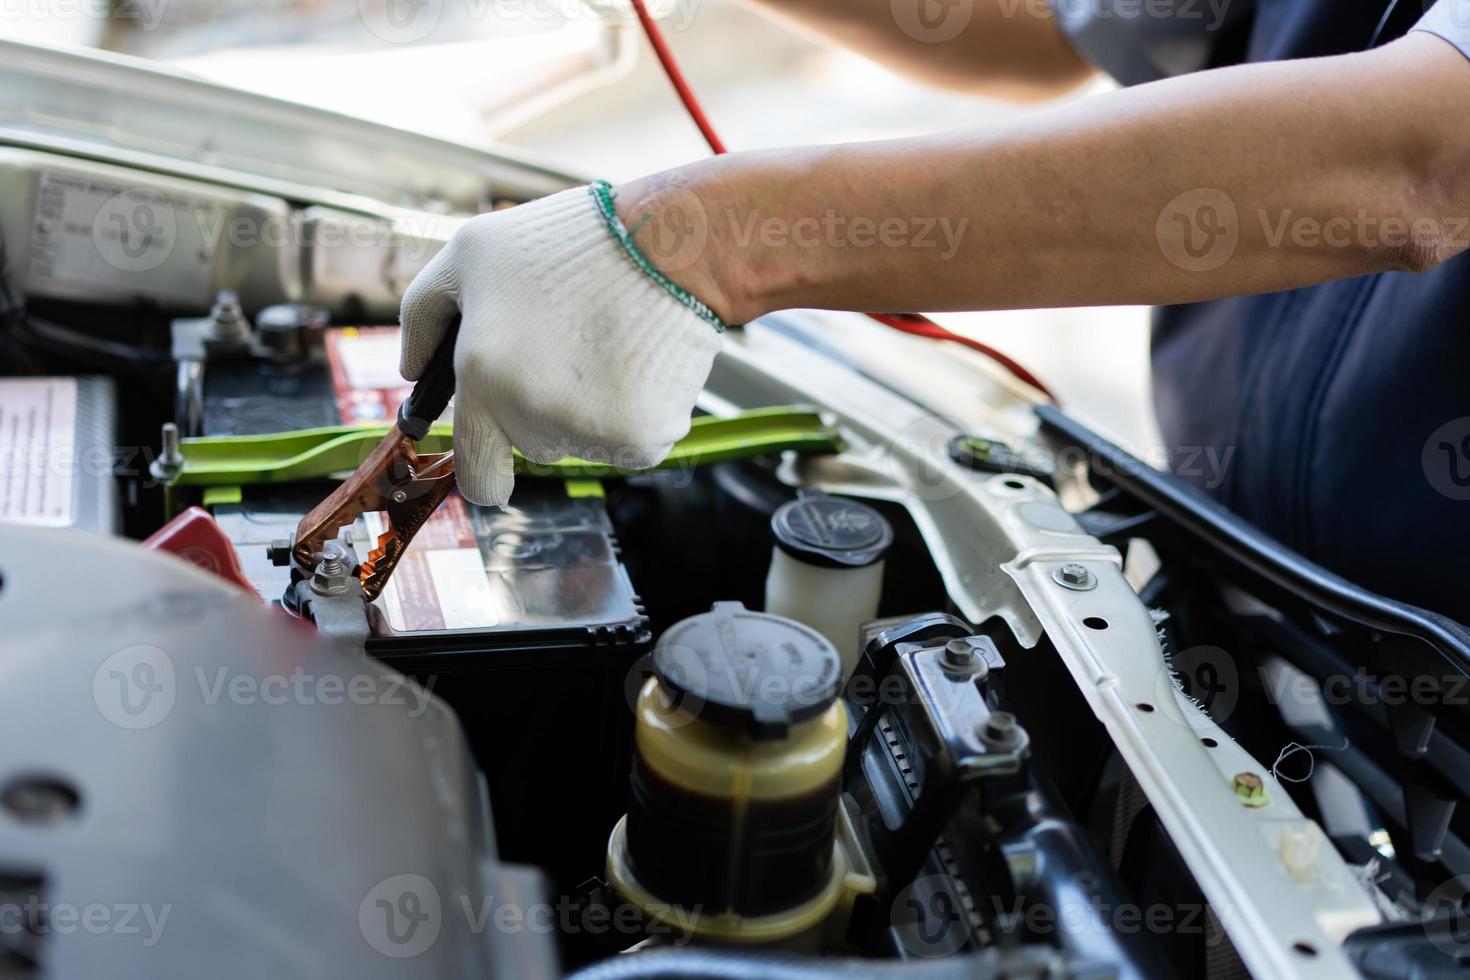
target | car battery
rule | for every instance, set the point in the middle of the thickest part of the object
(351, 379)
(522, 618)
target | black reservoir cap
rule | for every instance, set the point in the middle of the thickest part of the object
(831, 531)
(748, 671)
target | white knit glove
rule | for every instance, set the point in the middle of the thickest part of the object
(570, 343)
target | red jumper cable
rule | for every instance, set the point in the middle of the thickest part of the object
(911, 323)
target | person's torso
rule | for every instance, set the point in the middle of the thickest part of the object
(1335, 417)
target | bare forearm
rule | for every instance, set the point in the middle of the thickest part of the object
(1245, 180)
(989, 47)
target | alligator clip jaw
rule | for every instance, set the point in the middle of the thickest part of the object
(394, 478)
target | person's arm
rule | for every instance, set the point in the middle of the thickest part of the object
(1242, 180)
(1000, 48)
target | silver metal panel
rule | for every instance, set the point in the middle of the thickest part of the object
(127, 110)
(228, 824)
(77, 229)
(998, 541)
(98, 233)
(120, 179)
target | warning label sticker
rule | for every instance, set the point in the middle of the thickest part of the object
(365, 378)
(38, 453)
(440, 582)
(90, 234)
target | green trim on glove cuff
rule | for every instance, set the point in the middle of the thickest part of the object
(602, 193)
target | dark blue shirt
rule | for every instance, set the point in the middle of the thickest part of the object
(1343, 409)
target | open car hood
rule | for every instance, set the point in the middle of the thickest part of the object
(125, 110)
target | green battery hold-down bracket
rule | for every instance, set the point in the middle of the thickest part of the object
(285, 457)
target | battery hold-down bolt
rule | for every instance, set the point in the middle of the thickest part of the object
(333, 574)
(960, 656)
(1075, 577)
(1000, 730)
(171, 460)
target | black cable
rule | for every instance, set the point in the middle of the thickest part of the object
(66, 342)
(1393, 5)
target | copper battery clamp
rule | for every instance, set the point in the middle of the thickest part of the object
(395, 478)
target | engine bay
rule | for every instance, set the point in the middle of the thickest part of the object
(886, 670)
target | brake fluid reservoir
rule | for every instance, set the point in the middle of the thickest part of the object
(827, 567)
(739, 743)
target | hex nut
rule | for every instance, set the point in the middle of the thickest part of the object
(960, 656)
(1075, 577)
(1000, 730)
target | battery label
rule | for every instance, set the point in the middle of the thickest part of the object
(365, 378)
(38, 452)
(440, 582)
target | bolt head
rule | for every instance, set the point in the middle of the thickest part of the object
(960, 656)
(399, 496)
(1074, 576)
(959, 651)
(1000, 730)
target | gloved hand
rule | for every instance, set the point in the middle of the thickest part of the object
(571, 343)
